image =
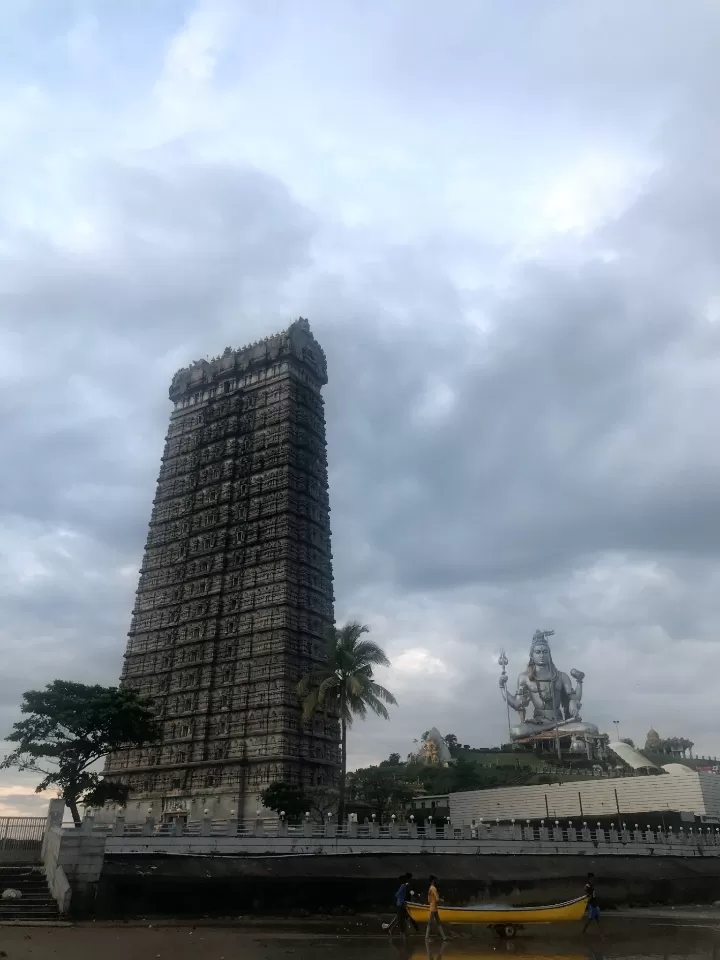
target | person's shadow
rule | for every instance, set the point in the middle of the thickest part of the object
(405, 951)
(434, 950)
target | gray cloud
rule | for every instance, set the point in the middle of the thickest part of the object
(520, 416)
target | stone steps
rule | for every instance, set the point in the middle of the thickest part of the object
(36, 904)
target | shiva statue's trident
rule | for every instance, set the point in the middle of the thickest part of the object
(503, 662)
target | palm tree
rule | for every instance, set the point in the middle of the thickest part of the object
(344, 683)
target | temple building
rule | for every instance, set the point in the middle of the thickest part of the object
(672, 746)
(235, 590)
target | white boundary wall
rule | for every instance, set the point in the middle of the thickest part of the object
(696, 793)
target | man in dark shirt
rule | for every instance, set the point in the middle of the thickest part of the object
(402, 915)
(593, 910)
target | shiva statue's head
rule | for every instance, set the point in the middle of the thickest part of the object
(540, 655)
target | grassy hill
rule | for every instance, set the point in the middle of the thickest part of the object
(496, 758)
(518, 767)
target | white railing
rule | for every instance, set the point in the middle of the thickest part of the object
(21, 839)
(529, 833)
(57, 880)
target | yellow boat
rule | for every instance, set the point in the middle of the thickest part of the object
(506, 920)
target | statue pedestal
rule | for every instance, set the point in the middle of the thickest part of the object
(545, 731)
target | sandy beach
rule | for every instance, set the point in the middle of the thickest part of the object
(625, 937)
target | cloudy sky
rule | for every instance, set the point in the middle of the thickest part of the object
(503, 221)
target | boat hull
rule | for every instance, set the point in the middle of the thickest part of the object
(519, 916)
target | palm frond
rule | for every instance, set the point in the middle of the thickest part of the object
(305, 686)
(349, 635)
(377, 706)
(355, 685)
(382, 693)
(344, 681)
(328, 689)
(310, 704)
(370, 653)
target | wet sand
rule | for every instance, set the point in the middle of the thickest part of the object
(625, 938)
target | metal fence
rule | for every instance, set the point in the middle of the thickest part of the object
(21, 839)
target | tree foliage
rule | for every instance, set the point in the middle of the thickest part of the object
(295, 801)
(69, 728)
(285, 798)
(391, 787)
(384, 790)
(344, 685)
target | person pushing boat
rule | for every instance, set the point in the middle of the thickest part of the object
(593, 910)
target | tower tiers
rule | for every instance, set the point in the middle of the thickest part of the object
(235, 590)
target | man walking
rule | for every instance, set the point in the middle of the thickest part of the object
(402, 915)
(593, 910)
(434, 915)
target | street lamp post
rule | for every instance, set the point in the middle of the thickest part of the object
(617, 728)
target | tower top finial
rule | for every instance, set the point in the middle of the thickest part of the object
(295, 340)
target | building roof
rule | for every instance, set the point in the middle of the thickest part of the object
(630, 756)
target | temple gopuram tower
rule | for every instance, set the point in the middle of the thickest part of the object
(235, 588)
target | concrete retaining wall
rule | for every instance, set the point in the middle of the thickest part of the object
(81, 857)
(238, 886)
(226, 868)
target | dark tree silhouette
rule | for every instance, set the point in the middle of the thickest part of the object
(69, 728)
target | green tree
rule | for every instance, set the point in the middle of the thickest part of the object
(393, 760)
(69, 728)
(464, 774)
(344, 684)
(451, 741)
(286, 798)
(321, 801)
(433, 779)
(468, 775)
(385, 790)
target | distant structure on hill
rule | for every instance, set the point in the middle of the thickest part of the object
(434, 750)
(670, 746)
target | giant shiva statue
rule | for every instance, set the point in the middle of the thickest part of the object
(555, 702)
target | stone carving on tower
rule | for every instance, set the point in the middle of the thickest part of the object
(235, 590)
